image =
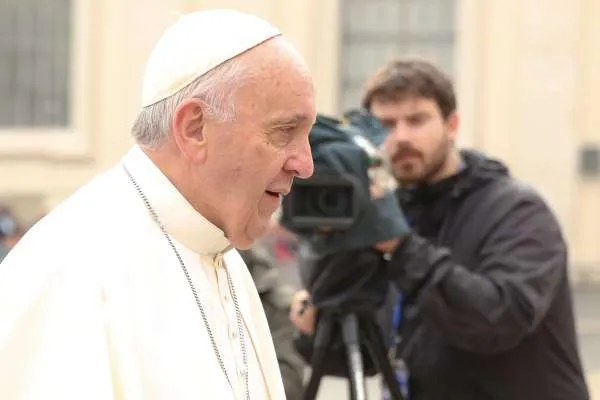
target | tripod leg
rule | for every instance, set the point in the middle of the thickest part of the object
(376, 348)
(323, 335)
(350, 334)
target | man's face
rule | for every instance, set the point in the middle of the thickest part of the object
(419, 139)
(253, 160)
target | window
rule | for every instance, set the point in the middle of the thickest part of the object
(45, 78)
(35, 37)
(375, 31)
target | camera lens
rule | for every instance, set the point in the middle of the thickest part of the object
(318, 201)
(330, 202)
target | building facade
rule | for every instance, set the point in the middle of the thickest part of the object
(525, 70)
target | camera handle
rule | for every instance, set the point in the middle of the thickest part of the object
(352, 327)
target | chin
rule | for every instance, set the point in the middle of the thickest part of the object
(253, 232)
(409, 179)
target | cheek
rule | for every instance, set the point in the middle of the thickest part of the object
(257, 165)
(257, 170)
(430, 138)
(269, 160)
(388, 145)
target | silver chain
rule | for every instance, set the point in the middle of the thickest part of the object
(211, 335)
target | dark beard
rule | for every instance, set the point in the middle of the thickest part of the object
(433, 167)
(438, 162)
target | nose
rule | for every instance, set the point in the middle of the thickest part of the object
(399, 133)
(301, 164)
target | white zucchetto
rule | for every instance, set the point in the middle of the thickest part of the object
(197, 43)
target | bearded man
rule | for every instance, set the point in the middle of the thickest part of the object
(486, 303)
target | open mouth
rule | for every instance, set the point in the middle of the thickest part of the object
(273, 194)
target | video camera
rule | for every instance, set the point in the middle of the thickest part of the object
(331, 199)
(339, 207)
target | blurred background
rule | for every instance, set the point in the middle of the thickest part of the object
(527, 73)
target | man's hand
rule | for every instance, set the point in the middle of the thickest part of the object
(388, 246)
(302, 313)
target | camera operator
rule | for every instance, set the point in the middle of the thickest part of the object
(487, 304)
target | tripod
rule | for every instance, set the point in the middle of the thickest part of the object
(355, 331)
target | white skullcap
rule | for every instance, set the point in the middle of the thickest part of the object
(197, 43)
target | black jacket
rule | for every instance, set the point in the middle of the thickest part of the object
(489, 313)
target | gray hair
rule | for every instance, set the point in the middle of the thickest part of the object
(216, 88)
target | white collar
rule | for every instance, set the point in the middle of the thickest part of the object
(180, 219)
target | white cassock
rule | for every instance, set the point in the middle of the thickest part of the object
(94, 304)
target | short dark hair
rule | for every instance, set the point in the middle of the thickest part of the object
(412, 77)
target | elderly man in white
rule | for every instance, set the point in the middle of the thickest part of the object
(131, 288)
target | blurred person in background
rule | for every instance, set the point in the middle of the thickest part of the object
(10, 231)
(132, 287)
(276, 297)
(272, 265)
(486, 311)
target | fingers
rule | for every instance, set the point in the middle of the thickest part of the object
(387, 246)
(303, 313)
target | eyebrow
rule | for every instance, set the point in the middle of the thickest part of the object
(288, 120)
(419, 113)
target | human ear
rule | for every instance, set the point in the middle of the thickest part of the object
(188, 129)
(453, 122)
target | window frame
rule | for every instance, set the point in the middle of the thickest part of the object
(72, 141)
(407, 37)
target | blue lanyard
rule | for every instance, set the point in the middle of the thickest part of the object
(396, 321)
(397, 314)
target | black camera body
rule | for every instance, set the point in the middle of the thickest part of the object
(331, 199)
(327, 201)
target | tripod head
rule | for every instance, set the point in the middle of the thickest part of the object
(343, 284)
(350, 282)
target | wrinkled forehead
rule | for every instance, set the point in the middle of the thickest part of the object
(282, 98)
(278, 86)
